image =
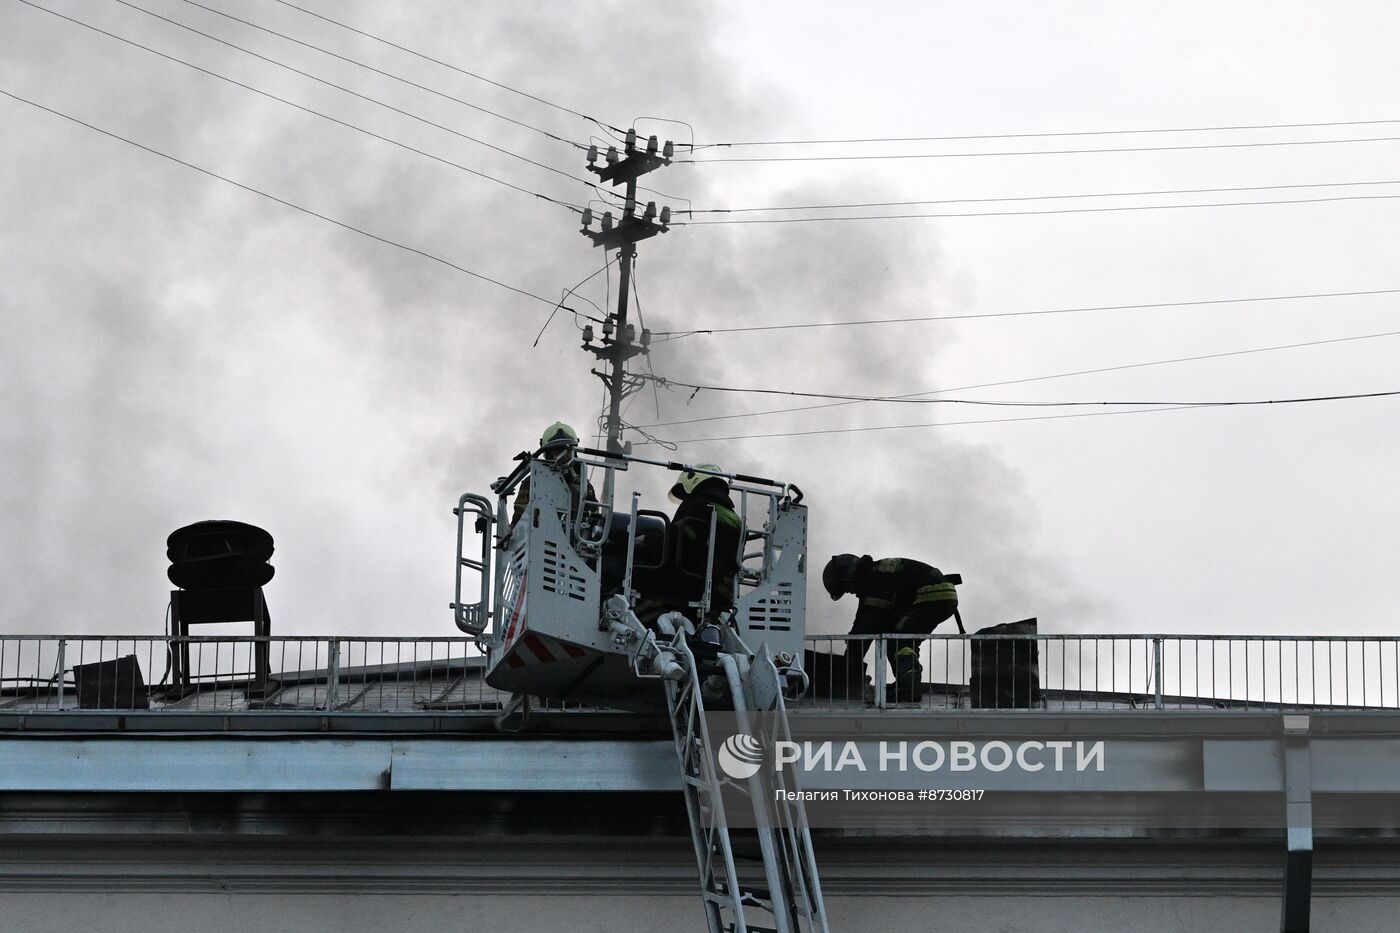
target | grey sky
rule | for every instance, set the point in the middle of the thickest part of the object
(177, 349)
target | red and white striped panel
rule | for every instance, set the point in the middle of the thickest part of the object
(541, 649)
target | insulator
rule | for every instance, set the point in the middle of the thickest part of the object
(608, 326)
(627, 448)
(631, 140)
(650, 212)
(612, 155)
(668, 150)
(630, 207)
(651, 145)
(646, 337)
(592, 154)
(588, 333)
(631, 334)
(665, 216)
(587, 217)
(607, 221)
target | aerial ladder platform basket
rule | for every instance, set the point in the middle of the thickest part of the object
(559, 588)
(545, 615)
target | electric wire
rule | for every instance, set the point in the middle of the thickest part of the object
(1035, 197)
(357, 94)
(1036, 152)
(1009, 403)
(1077, 414)
(1053, 211)
(294, 206)
(1027, 379)
(436, 61)
(646, 351)
(927, 424)
(1204, 302)
(359, 129)
(1134, 132)
(565, 297)
(421, 87)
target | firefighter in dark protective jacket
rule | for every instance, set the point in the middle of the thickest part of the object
(898, 596)
(702, 494)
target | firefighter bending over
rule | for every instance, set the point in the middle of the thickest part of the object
(898, 596)
(558, 441)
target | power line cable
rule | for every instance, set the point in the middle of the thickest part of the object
(296, 207)
(421, 87)
(1035, 197)
(1034, 152)
(1065, 375)
(1064, 210)
(1005, 403)
(353, 93)
(435, 61)
(937, 139)
(925, 424)
(607, 127)
(1005, 314)
(942, 424)
(359, 129)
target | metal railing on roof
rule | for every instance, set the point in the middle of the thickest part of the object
(330, 675)
(1110, 671)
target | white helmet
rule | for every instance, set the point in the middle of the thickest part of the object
(693, 478)
(558, 434)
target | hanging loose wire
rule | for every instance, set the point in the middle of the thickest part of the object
(565, 297)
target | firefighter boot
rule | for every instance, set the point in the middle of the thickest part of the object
(908, 686)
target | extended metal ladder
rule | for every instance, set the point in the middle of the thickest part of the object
(787, 898)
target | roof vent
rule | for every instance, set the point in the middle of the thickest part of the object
(216, 555)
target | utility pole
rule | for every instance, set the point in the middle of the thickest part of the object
(619, 343)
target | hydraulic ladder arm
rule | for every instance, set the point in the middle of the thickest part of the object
(787, 897)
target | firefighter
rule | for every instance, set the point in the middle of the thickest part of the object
(897, 596)
(558, 442)
(701, 493)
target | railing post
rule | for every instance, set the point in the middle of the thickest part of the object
(1157, 668)
(62, 666)
(881, 695)
(333, 674)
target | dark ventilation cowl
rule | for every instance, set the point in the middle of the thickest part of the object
(217, 555)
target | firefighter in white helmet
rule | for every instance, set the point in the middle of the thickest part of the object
(703, 493)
